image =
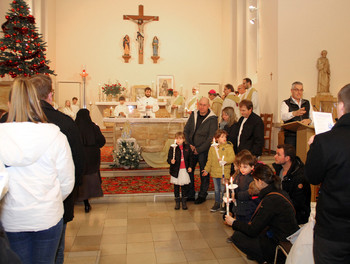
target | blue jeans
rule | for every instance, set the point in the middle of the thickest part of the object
(36, 247)
(60, 249)
(201, 158)
(219, 189)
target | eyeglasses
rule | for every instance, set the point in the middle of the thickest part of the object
(298, 90)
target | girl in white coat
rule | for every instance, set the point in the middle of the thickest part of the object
(41, 175)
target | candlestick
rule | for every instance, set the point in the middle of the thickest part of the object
(223, 166)
(227, 201)
(174, 145)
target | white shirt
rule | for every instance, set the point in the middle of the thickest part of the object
(69, 112)
(286, 115)
(143, 102)
(75, 108)
(121, 109)
(41, 175)
(240, 131)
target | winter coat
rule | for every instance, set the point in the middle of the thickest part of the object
(298, 188)
(328, 162)
(245, 205)
(188, 158)
(213, 166)
(203, 137)
(252, 135)
(70, 130)
(275, 213)
(41, 175)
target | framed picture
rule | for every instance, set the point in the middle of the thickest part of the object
(137, 92)
(165, 83)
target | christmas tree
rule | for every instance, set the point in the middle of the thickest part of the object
(21, 48)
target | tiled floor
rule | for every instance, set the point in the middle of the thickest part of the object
(149, 232)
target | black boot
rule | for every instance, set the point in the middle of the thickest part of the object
(177, 203)
(184, 205)
(87, 206)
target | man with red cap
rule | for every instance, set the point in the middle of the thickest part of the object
(216, 102)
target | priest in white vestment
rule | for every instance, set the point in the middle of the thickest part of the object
(75, 107)
(147, 105)
(251, 94)
(231, 99)
(176, 105)
(192, 101)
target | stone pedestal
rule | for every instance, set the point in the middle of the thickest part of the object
(325, 102)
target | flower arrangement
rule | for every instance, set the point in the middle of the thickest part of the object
(127, 156)
(113, 89)
(170, 92)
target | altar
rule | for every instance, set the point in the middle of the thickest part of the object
(153, 135)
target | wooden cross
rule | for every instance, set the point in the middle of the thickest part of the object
(140, 20)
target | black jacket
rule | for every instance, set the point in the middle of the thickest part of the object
(298, 188)
(245, 205)
(275, 213)
(70, 129)
(188, 158)
(252, 136)
(328, 163)
(203, 137)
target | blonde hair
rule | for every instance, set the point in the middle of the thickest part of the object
(180, 135)
(24, 103)
(232, 118)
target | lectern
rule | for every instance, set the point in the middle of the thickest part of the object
(304, 132)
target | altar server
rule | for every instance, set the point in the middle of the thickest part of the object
(147, 105)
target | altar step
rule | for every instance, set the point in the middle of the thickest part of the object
(108, 134)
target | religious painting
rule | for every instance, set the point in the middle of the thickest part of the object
(138, 91)
(165, 86)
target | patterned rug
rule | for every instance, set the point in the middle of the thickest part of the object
(106, 154)
(142, 184)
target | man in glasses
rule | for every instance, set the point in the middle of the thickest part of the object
(293, 109)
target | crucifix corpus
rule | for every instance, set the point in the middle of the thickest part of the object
(140, 20)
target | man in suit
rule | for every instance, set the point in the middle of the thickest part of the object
(328, 163)
(249, 132)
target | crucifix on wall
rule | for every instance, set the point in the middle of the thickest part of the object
(140, 20)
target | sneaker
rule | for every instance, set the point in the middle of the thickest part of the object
(222, 209)
(215, 208)
(199, 200)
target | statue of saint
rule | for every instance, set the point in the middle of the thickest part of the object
(155, 45)
(126, 45)
(323, 73)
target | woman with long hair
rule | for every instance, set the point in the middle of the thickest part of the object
(93, 140)
(39, 163)
(229, 120)
(273, 221)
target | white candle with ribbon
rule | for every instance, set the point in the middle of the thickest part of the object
(174, 147)
(227, 200)
(223, 167)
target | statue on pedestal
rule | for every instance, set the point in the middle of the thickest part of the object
(323, 73)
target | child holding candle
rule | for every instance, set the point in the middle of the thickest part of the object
(180, 159)
(219, 157)
(244, 206)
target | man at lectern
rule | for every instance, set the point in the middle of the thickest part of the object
(147, 105)
(294, 109)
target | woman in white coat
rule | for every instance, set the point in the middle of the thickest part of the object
(39, 163)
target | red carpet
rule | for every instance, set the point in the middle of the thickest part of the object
(142, 184)
(106, 154)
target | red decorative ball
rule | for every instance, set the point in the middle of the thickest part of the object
(7, 17)
(25, 75)
(13, 10)
(17, 9)
(14, 2)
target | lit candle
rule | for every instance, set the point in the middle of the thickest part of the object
(214, 140)
(231, 181)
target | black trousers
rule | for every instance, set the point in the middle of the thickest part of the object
(201, 158)
(184, 190)
(259, 248)
(327, 251)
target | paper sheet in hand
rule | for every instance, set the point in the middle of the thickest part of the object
(323, 122)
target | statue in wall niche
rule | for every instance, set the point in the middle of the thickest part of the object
(126, 45)
(323, 73)
(155, 45)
